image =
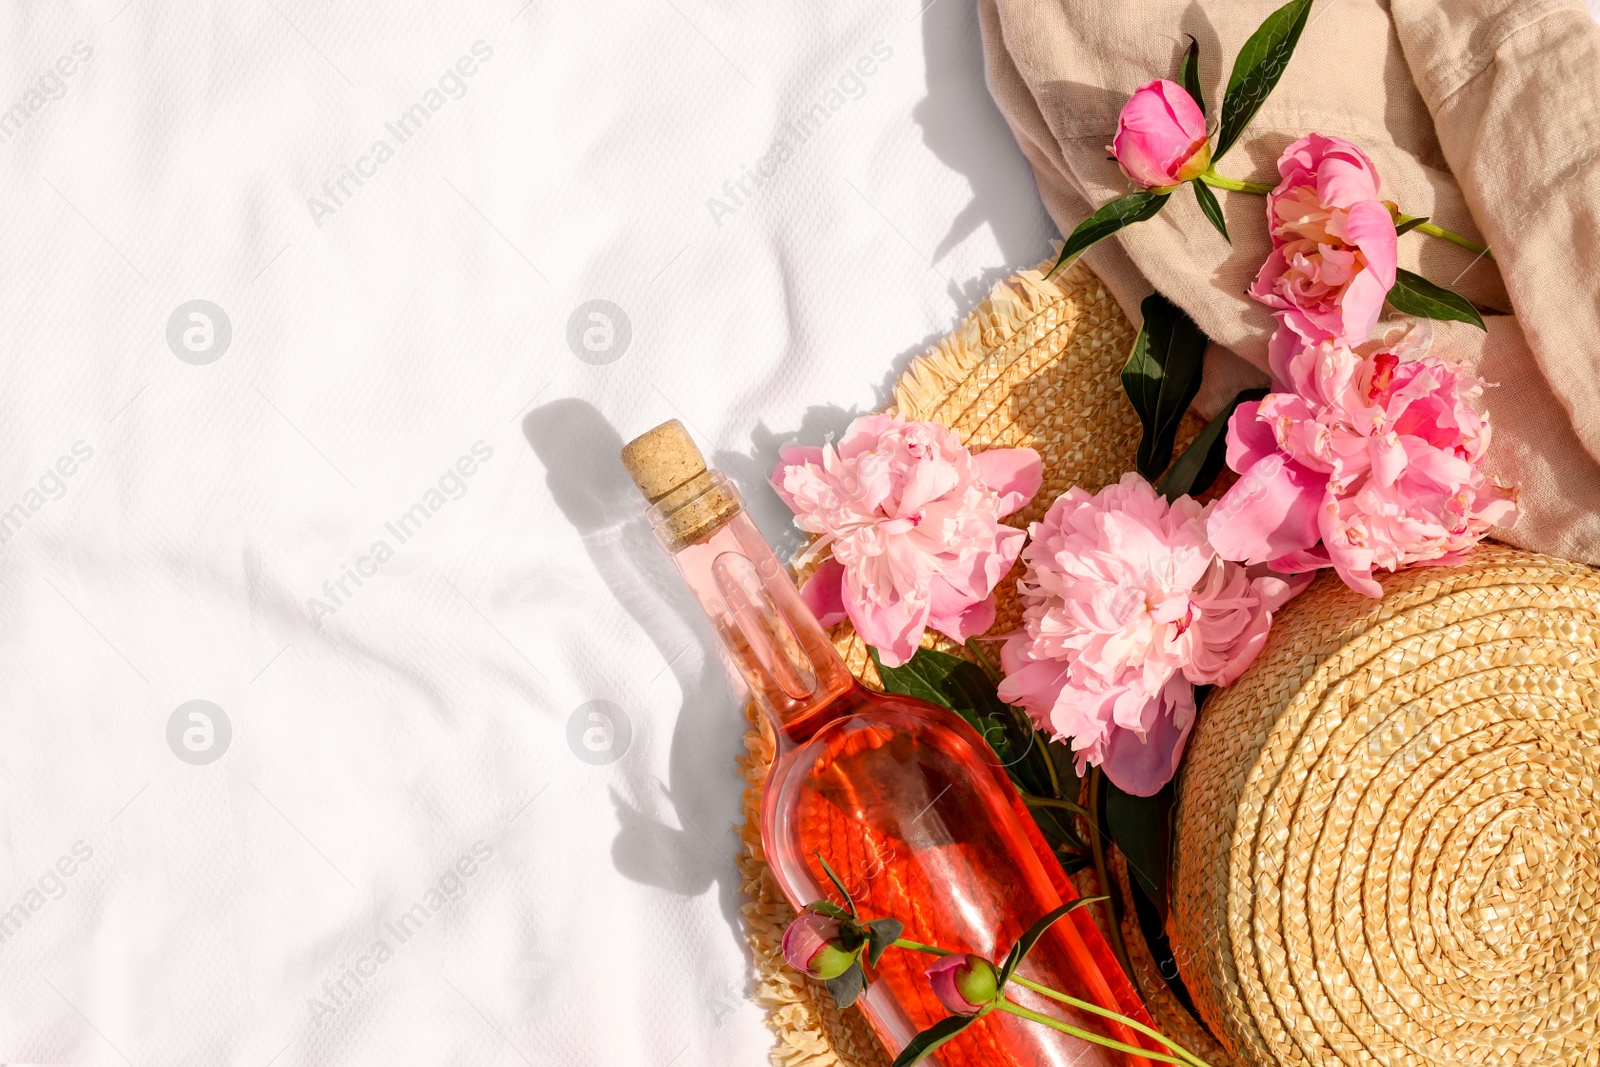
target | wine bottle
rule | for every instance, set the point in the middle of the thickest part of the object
(902, 798)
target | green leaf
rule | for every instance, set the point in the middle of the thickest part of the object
(1191, 74)
(1140, 827)
(1161, 378)
(828, 908)
(1212, 209)
(1152, 928)
(1066, 767)
(1410, 224)
(1123, 211)
(1257, 69)
(848, 986)
(834, 878)
(919, 1047)
(1075, 862)
(1416, 295)
(1202, 461)
(881, 934)
(1031, 936)
(960, 685)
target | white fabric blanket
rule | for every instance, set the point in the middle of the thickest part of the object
(350, 715)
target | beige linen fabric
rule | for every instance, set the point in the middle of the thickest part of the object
(1481, 114)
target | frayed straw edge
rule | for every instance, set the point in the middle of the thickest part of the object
(1004, 313)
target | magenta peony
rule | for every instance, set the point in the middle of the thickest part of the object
(812, 946)
(964, 984)
(1161, 136)
(1359, 463)
(1128, 607)
(912, 522)
(1333, 242)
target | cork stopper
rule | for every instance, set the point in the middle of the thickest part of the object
(691, 502)
(662, 459)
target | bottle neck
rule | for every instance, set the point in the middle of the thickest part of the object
(767, 632)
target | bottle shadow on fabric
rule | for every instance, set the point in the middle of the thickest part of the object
(676, 835)
(962, 126)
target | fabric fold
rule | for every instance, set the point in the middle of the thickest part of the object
(1483, 115)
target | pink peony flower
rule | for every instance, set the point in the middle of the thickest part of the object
(812, 945)
(912, 521)
(1128, 608)
(1358, 462)
(964, 984)
(1333, 242)
(1161, 136)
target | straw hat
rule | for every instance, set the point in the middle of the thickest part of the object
(1387, 829)
(1386, 846)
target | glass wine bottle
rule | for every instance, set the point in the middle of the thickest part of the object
(902, 798)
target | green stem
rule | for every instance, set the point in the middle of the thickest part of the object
(1084, 1035)
(1095, 1009)
(1049, 761)
(1050, 802)
(1082, 1005)
(983, 660)
(1217, 181)
(918, 946)
(1454, 238)
(1097, 789)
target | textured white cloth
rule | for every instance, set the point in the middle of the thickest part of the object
(364, 500)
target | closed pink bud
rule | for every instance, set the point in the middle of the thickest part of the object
(812, 946)
(964, 984)
(1161, 136)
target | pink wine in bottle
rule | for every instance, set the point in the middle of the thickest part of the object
(902, 798)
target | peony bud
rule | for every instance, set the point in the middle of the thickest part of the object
(812, 946)
(964, 984)
(1161, 137)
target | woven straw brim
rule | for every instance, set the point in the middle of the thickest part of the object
(1387, 829)
(1037, 364)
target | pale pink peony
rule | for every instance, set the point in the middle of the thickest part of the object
(1161, 136)
(1128, 608)
(1359, 463)
(1333, 242)
(912, 522)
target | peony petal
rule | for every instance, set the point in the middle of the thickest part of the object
(1032, 685)
(797, 455)
(971, 621)
(823, 592)
(1371, 228)
(1265, 287)
(1014, 473)
(1143, 767)
(862, 434)
(894, 629)
(1295, 564)
(1270, 511)
(792, 456)
(1345, 176)
(1352, 562)
(1250, 440)
(928, 481)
